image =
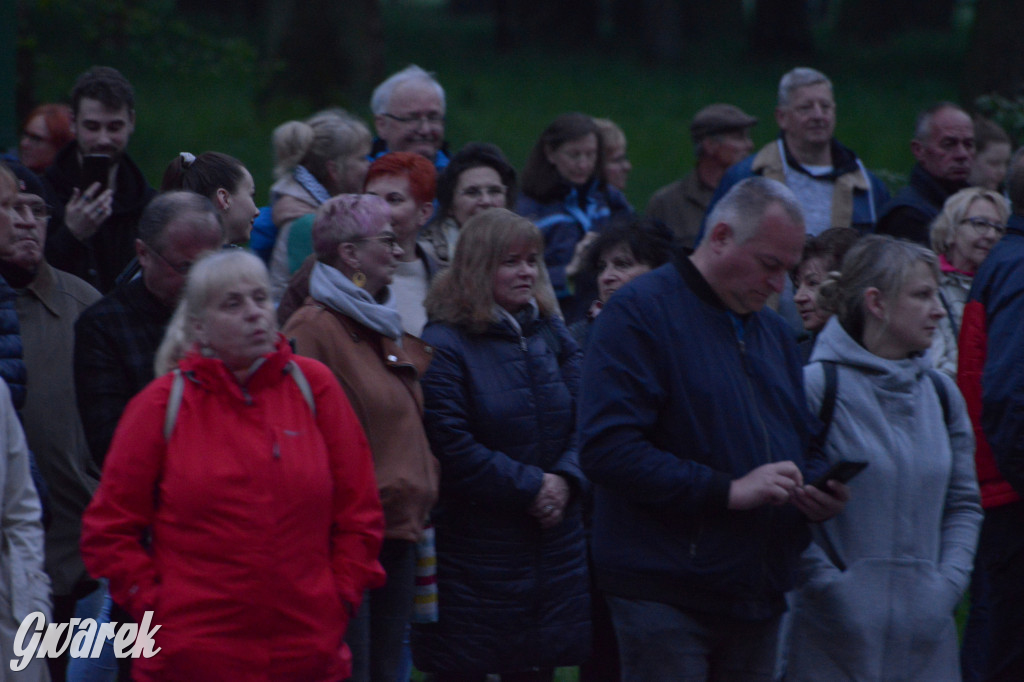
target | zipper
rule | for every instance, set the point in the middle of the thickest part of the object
(754, 402)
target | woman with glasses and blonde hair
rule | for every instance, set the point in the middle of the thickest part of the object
(500, 413)
(349, 323)
(970, 224)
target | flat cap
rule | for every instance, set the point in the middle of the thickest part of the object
(719, 118)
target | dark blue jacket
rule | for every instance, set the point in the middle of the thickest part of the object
(679, 397)
(563, 223)
(869, 193)
(12, 364)
(910, 213)
(499, 411)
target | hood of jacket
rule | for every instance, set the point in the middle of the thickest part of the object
(212, 375)
(834, 344)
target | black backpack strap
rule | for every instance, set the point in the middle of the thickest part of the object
(828, 400)
(940, 388)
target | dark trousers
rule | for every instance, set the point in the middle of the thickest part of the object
(376, 633)
(663, 642)
(1002, 548)
(542, 675)
(974, 648)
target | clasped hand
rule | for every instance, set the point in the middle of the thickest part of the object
(549, 505)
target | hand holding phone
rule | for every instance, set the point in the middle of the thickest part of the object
(95, 169)
(842, 471)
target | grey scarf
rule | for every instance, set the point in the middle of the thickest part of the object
(330, 287)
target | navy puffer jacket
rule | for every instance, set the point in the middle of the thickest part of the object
(12, 366)
(500, 410)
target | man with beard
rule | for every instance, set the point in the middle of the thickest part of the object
(92, 233)
(943, 146)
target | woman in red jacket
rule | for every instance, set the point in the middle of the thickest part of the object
(255, 489)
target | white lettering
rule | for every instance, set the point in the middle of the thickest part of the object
(84, 637)
(54, 643)
(125, 638)
(33, 622)
(81, 643)
(144, 644)
(107, 631)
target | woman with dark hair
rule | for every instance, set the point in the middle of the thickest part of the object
(477, 178)
(822, 255)
(222, 179)
(500, 414)
(882, 579)
(618, 255)
(565, 194)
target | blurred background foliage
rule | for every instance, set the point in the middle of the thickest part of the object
(221, 75)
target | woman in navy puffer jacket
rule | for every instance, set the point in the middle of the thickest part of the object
(500, 405)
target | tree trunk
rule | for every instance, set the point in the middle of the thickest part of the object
(995, 62)
(326, 47)
(781, 28)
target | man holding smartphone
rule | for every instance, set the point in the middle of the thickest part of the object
(696, 434)
(101, 191)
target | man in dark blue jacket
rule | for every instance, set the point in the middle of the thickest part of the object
(696, 432)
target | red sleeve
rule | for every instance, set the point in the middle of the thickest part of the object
(358, 527)
(124, 504)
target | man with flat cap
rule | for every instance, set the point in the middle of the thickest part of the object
(833, 186)
(721, 137)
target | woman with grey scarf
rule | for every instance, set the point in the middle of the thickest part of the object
(350, 323)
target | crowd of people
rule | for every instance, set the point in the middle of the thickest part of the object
(767, 429)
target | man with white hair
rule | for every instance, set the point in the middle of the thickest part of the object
(833, 186)
(408, 112)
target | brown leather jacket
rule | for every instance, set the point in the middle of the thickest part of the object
(381, 379)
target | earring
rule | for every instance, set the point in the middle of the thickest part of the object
(359, 279)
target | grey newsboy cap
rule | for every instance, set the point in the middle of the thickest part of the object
(719, 118)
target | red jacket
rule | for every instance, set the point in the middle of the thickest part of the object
(265, 523)
(973, 344)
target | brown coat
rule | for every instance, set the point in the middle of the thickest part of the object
(381, 380)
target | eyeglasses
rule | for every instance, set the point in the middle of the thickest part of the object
(388, 240)
(429, 119)
(182, 268)
(981, 224)
(476, 192)
(35, 210)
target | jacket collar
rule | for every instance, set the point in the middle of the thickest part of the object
(695, 280)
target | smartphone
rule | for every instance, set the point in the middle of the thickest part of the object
(95, 168)
(842, 471)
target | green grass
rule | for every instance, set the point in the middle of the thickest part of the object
(509, 98)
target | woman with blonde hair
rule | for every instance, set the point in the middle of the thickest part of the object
(237, 502)
(500, 412)
(970, 224)
(881, 580)
(316, 159)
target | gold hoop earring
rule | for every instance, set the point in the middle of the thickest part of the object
(359, 279)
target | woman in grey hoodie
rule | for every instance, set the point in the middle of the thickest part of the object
(881, 579)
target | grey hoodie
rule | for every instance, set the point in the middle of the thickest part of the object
(905, 541)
